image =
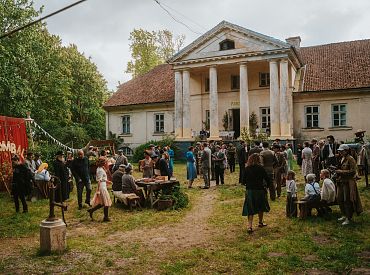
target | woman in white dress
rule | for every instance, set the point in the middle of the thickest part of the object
(306, 160)
(101, 197)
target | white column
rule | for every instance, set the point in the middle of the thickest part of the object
(186, 127)
(274, 99)
(284, 100)
(244, 99)
(213, 104)
(178, 104)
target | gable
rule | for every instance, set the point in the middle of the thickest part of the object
(245, 41)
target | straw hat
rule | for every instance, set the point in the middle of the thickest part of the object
(42, 166)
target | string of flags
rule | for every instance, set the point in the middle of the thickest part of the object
(65, 147)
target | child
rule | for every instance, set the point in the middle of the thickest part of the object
(291, 188)
(312, 194)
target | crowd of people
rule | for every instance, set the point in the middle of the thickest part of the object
(264, 170)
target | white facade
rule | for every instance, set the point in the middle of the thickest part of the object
(143, 125)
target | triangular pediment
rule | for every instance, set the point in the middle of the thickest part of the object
(241, 39)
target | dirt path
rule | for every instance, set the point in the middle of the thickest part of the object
(192, 231)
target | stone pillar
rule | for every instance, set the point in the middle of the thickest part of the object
(53, 236)
(274, 100)
(178, 104)
(186, 127)
(244, 100)
(213, 104)
(284, 101)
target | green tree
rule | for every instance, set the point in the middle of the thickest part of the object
(149, 49)
(61, 88)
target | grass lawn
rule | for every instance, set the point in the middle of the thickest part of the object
(207, 237)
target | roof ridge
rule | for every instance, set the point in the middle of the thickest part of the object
(335, 43)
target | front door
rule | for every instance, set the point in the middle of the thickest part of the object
(236, 122)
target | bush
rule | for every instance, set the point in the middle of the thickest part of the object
(167, 140)
(181, 200)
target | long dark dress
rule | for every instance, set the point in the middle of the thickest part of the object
(242, 158)
(256, 191)
(61, 171)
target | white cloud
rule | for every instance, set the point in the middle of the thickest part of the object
(101, 28)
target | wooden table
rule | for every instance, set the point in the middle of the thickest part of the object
(150, 187)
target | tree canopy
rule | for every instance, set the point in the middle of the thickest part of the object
(151, 48)
(60, 86)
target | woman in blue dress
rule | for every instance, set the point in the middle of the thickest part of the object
(190, 165)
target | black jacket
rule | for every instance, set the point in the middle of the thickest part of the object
(22, 179)
(256, 178)
(80, 169)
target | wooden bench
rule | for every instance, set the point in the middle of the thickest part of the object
(305, 207)
(131, 200)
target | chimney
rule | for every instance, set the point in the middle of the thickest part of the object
(294, 41)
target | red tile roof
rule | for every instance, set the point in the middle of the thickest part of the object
(337, 66)
(158, 85)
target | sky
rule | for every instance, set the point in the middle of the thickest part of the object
(101, 28)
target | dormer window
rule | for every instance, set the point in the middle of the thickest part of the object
(227, 45)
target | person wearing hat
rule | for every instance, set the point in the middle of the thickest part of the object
(81, 171)
(171, 154)
(117, 178)
(21, 183)
(330, 151)
(128, 181)
(61, 172)
(156, 171)
(101, 197)
(147, 165)
(121, 159)
(163, 165)
(347, 194)
(42, 173)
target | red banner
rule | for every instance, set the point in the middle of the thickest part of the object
(13, 140)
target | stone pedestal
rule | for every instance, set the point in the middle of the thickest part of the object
(53, 236)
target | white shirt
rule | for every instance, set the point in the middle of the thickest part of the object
(328, 191)
(43, 175)
(309, 189)
(291, 187)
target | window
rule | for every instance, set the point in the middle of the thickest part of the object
(227, 45)
(265, 117)
(235, 82)
(159, 123)
(127, 151)
(339, 115)
(264, 79)
(206, 84)
(312, 116)
(126, 124)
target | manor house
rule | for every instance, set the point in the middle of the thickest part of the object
(230, 72)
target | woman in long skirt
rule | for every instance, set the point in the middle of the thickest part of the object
(306, 160)
(101, 197)
(255, 201)
(190, 166)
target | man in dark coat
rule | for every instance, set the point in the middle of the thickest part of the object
(269, 160)
(80, 170)
(242, 158)
(330, 152)
(117, 178)
(21, 183)
(61, 172)
(231, 154)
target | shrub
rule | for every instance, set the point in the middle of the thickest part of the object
(167, 140)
